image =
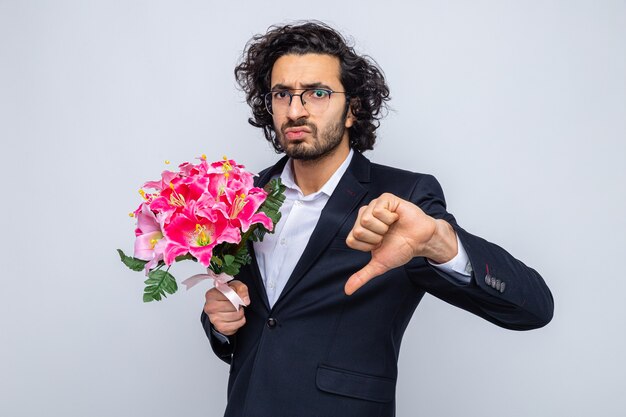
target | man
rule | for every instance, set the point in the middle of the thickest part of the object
(320, 336)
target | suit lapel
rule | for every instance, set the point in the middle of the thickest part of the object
(348, 193)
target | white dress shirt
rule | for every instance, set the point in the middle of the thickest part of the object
(278, 253)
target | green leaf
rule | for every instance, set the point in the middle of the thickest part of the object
(133, 263)
(228, 259)
(231, 270)
(241, 258)
(187, 257)
(158, 284)
(153, 296)
(271, 207)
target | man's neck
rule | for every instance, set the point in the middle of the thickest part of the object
(311, 176)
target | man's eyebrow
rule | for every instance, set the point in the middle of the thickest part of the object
(307, 86)
(316, 85)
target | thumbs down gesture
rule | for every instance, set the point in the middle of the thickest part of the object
(395, 231)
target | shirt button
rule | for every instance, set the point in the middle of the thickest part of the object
(272, 285)
(271, 322)
(283, 241)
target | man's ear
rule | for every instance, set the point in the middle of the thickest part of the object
(353, 105)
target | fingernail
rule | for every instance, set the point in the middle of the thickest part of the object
(246, 300)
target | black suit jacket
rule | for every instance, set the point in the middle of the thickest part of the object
(321, 353)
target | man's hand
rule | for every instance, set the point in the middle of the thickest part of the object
(222, 314)
(396, 231)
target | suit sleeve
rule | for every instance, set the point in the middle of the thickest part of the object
(502, 290)
(223, 350)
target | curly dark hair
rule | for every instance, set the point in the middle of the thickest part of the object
(360, 76)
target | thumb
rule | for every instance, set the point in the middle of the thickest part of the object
(363, 276)
(241, 289)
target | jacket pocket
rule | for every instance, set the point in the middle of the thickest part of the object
(355, 384)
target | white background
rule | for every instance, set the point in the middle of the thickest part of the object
(518, 108)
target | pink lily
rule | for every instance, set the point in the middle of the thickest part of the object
(149, 242)
(197, 232)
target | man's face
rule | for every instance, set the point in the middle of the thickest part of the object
(305, 134)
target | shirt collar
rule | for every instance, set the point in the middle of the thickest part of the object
(287, 178)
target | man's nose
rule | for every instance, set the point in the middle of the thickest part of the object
(296, 110)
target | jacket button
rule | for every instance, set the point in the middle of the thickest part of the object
(271, 322)
(488, 279)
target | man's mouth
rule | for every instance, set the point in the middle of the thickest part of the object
(296, 133)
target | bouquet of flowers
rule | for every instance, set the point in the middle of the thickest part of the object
(205, 212)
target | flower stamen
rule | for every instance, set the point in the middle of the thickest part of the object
(203, 238)
(176, 199)
(238, 205)
(226, 167)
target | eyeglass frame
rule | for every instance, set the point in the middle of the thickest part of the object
(304, 90)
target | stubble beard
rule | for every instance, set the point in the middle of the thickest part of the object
(324, 145)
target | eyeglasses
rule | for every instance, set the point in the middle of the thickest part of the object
(314, 100)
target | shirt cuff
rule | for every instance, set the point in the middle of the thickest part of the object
(458, 267)
(222, 338)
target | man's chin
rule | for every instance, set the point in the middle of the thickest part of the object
(298, 150)
(302, 156)
(302, 153)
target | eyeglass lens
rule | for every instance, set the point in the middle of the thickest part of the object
(314, 100)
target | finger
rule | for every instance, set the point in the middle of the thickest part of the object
(214, 295)
(356, 244)
(364, 235)
(212, 307)
(369, 221)
(227, 320)
(377, 216)
(229, 329)
(218, 302)
(384, 210)
(366, 230)
(242, 290)
(227, 317)
(363, 276)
